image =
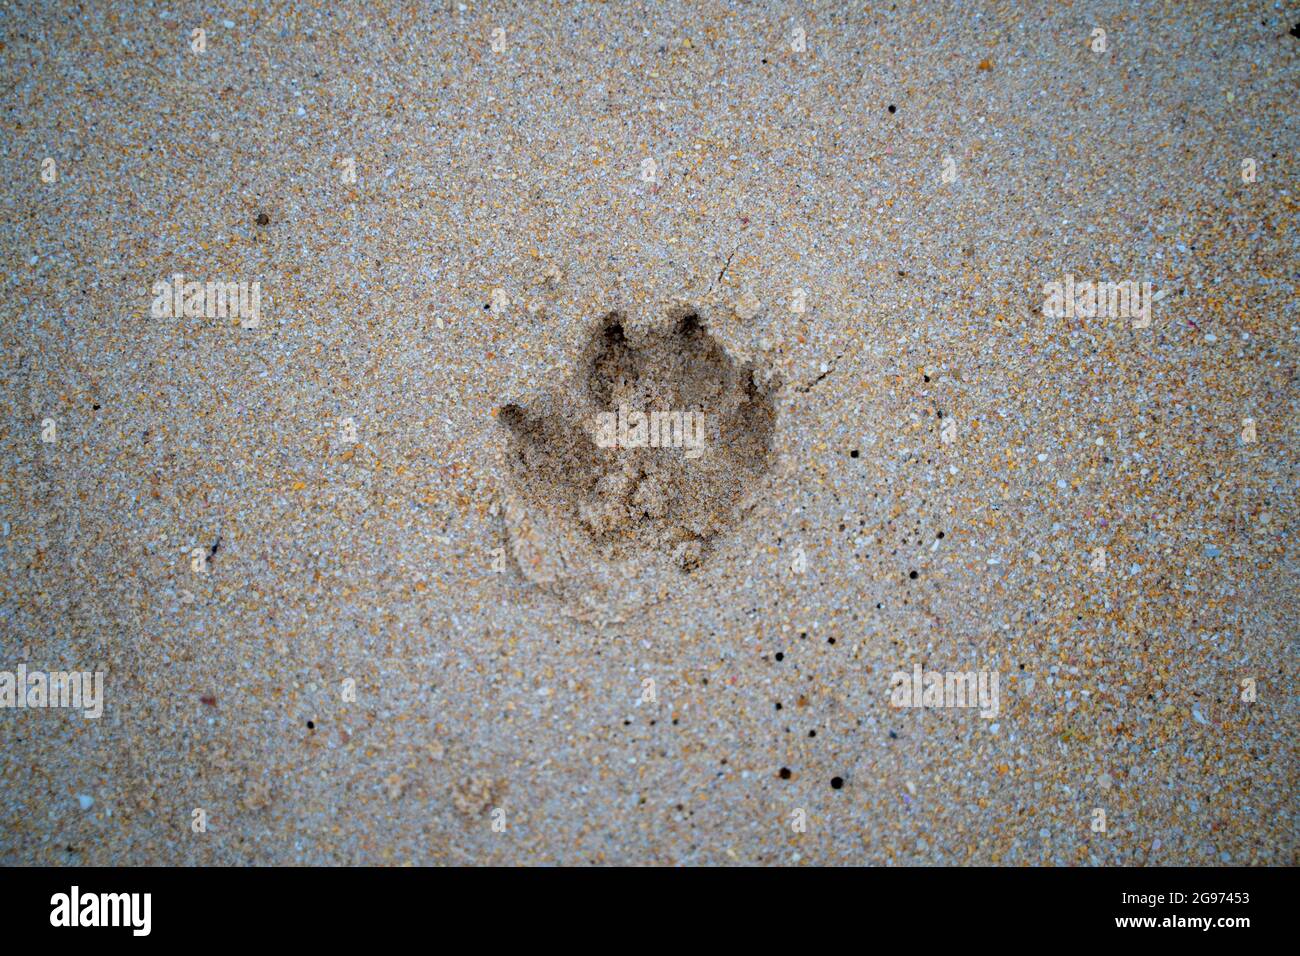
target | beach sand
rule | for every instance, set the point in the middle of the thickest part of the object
(340, 620)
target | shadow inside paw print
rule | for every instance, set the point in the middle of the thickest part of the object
(650, 446)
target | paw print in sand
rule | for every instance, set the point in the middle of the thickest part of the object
(648, 451)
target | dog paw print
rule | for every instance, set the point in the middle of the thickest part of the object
(650, 447)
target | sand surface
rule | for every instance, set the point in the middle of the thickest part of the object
(403, 646)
